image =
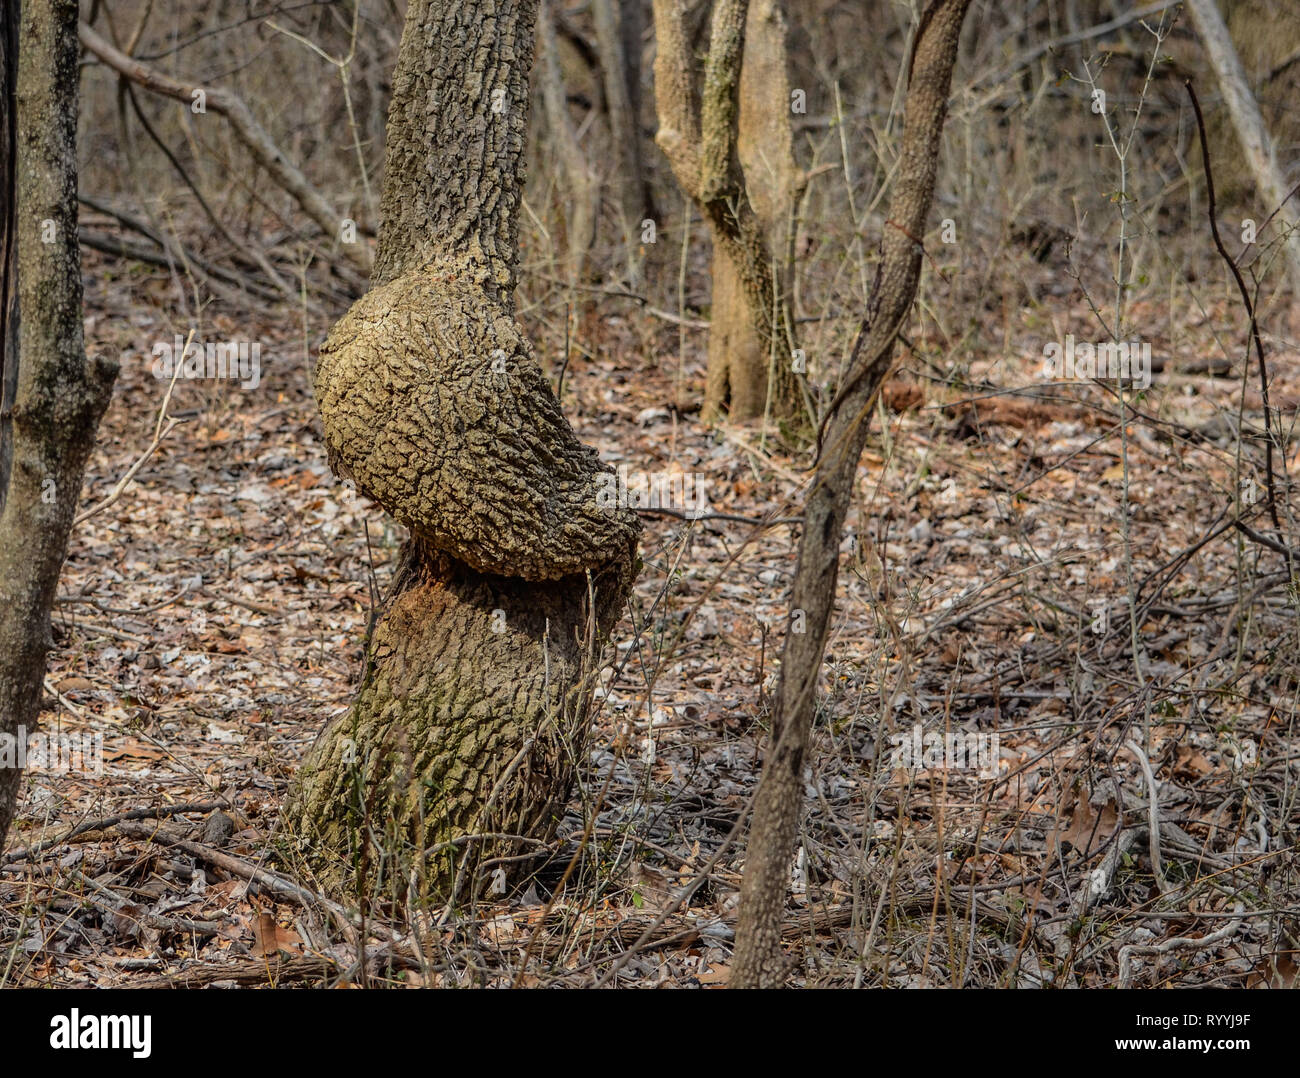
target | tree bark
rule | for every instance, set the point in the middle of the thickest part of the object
(1249, 124)
(615, 21)
(751, 362)
(580, 184)
(778, 802)
(739, 357)
(8, 237)
(60, 397)
(459, 752)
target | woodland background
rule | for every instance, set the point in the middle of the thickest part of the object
(212, 613)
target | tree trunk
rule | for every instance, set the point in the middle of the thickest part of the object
(580, 184)
(614, 20)
(1249, 124)
(778, 804)
(8, 237)
(699, 132)
(459, 752)
(739, 358)
(59, 397)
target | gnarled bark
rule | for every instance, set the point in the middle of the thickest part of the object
(459, 751)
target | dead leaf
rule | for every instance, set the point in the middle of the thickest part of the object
(75, 684)
(270, 937)
(1087, 829)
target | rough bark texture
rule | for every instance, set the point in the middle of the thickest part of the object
(460, 748)
(453, 180)
(779, 800)
(60, 397)
(1249, 124)
(699, 132)
(8, 237)
(433, 403)
(467, 724)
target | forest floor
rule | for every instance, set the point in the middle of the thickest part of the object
(211, 619)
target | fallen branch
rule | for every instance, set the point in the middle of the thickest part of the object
(264, 878)
(258, 971)
(246, 129)
(40, 846)
(1178, 943)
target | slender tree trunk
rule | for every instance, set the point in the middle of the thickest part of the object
(699, 132)
(779, 801)
(612, 18)
(8, 237)
(1249, 124)
(739, 356)
(459, 751)
(580, 184)
(59, 397)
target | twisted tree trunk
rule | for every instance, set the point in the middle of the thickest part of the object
(459, 751)
(59, 397)
(752, 336)
(739, 356)
(778, 803)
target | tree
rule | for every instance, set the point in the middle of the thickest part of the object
(459, 751)
(778, 802)
(580, 183)
(618, 39)
(8, 238)
(59, 396)
(703, 126)
(1249, 124)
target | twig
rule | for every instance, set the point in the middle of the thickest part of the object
(1245, 299)
(110, 821)
(160, 432)
(1153, 814)
(758, 522)
(1178, 943)
(272, 881)
(246, 128)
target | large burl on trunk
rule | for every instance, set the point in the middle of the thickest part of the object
(459, 752)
